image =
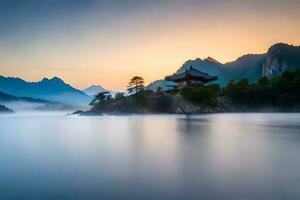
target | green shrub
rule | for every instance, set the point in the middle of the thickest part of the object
(205, 95)
(282, 91)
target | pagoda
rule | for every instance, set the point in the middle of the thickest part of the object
(190, 77)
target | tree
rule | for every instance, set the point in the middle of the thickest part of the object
(263, 82)
(205, 95)
(119, 96)
(101, 98)
(159, 90)
(136, 84)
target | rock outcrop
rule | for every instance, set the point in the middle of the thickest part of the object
(164, 103)
(280, 58)
(183, 106)
(86, 113)
(4, 109)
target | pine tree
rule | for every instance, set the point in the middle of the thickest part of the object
(136, 84)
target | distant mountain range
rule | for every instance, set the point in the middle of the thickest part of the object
(54, 90)
(279, 58)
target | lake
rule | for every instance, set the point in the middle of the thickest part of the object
(217, 156)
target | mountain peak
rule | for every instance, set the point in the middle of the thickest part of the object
(44, 80)
(94, 86)
(198, 60)
(55, 79)
(210, 59)
(282, 47)
(94, 89)
(279, 45)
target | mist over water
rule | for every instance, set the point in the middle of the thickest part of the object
(42, 108)
(222, 156)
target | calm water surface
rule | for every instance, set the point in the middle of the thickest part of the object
(223, 156)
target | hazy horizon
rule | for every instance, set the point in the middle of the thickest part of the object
(96, 42)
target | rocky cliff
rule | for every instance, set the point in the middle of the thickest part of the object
(164, 103)
(279, 58)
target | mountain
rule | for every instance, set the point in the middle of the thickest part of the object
(96, 89)
(248, 66)
(208, 65)
(245, 67)
(54, 89)
(164, 85)
(279, 58)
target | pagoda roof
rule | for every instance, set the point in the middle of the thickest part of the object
(191, 74)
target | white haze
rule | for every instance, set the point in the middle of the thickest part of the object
(22, 106)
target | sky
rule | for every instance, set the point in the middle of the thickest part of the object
(106, 42)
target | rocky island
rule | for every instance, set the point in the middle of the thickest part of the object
(4, 109)
(191, 96)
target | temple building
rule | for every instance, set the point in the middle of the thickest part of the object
(190, 77)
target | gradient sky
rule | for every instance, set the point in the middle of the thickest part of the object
(108, 41)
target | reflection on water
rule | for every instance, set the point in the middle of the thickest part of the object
(224, 156)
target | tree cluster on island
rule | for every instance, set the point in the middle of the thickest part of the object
(135, 85)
